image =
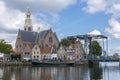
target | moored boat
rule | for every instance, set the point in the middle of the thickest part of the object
(50, 63)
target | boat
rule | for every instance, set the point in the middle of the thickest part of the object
(50, 63)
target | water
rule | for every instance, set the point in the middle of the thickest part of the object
(102, 71)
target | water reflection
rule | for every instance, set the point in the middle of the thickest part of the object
(58, 73)
(96, 72)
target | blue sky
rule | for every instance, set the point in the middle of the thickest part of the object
(65, 17)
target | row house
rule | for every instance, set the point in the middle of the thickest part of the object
(73, 52)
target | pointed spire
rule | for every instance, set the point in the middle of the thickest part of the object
(28, 12)
(28, 23)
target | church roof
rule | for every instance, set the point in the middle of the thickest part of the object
(31, 36)
(42, 34)
(28, 36)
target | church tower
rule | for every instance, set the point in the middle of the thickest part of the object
(28, 24)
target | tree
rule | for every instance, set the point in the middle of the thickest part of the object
(4, 47)
(66, 42)
(95, 48)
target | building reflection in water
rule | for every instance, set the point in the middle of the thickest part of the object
(82, 72)
(95, 72)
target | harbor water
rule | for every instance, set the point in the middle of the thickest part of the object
(102, 71)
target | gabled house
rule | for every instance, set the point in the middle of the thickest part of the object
(36, 52)
(74, 51)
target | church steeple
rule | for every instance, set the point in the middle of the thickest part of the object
(28, 24)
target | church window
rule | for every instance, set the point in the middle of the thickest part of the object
(50, 39)
(20, 46)
(18, 37)
(46, 45)
(54, 48)
(29, 29)
(16, 46)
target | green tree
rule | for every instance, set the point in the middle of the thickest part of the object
(4, 47)
(95, 48)
(66, 42)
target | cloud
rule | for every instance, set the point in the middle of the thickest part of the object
(113, 8)
(114, 29)
(9, 22)
(95, 32)
(94, 6)
(46, 5)
(109, 7)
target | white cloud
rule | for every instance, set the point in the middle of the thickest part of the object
(46, 5)
(114, 9)
(111, 7)
(94, 6)
(95, 32)
(114, 29)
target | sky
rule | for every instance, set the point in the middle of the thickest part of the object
(65, 17)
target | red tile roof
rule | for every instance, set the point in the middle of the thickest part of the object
(46, 50)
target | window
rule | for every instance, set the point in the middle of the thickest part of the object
(16, 46)
(27, 53)
(37, 56)
(54, 48)
(46, 45)
(29, 29)
(35, 47)
(20, 46)
(50, 39)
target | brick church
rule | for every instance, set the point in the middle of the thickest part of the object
(32, 44)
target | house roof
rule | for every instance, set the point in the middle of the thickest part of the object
(77, 42)
(46, 50)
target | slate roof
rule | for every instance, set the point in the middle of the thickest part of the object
(28, 36)
(31, 36)
(42, 34)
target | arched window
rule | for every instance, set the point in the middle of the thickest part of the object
(50, 39)
(29, 29)
(54, 48)
(46, 45)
